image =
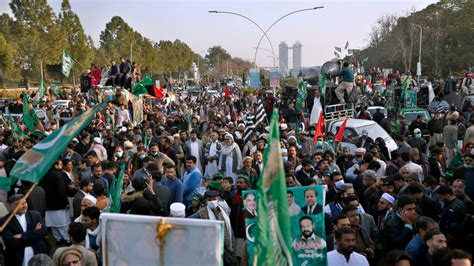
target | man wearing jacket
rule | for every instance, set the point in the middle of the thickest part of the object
(25, 235)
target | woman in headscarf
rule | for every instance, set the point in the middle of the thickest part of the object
(230, 160)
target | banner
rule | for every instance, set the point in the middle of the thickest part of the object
(410, 98)
(308, 245)
(274, 78)
(255, 77)
(151, 240)
(66, 64)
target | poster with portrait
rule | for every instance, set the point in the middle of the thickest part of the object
(306, 211)
(135, 240)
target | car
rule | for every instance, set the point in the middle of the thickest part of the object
(354, 129)
(410, 114)
(61, 103)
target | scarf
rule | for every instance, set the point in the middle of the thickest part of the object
(207, 214)
(95, 232)
(228, 149)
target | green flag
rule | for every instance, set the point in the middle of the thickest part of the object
(301, 96)
(5, 183)
(139, 88)
(273, 236)
(34, 164)
(30, 118)
(66, 64)
(116, 191)
(40, 93)
(16, 130)
(405, 83)
(455, 162)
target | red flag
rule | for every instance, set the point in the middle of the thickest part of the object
(319, 127)
(227, 92)
(340, 133)
(158, 92)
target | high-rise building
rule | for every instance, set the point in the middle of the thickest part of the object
(283, 58)
(297, 48)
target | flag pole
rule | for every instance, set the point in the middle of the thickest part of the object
(15, 211)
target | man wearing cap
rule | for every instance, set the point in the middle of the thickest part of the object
(212, 211)
(99, 149)
(251, 146)
(177, 210)
(417, 141)
(25, 235)
(384, 208)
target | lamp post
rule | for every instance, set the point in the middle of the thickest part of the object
(278, 20)
(255, 23)
(418, 65)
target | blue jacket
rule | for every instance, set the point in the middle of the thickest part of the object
(191, 181)
(414, 247)
(347, 74)
(176, 188)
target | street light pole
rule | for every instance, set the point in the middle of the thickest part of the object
(278, 20)
(249, 19)
(418, 65)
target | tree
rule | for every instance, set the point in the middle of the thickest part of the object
(216, 55)
(39, 38)
(78, 44)
(7, 54)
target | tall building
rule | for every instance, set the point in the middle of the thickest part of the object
(283, 58)
(297, 48)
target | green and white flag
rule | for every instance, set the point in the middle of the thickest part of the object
(67, 64)
(301, 96)
(36, 162)
(115, 191)
(322, 86)
(30, 118)
(273, 233)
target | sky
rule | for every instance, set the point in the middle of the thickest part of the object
(319, 31)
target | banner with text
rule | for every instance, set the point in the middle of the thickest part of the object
(274, 78)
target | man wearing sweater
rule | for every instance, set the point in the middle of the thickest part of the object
(192, 180)
(174, 184)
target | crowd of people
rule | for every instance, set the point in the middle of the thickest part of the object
(191, 158)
